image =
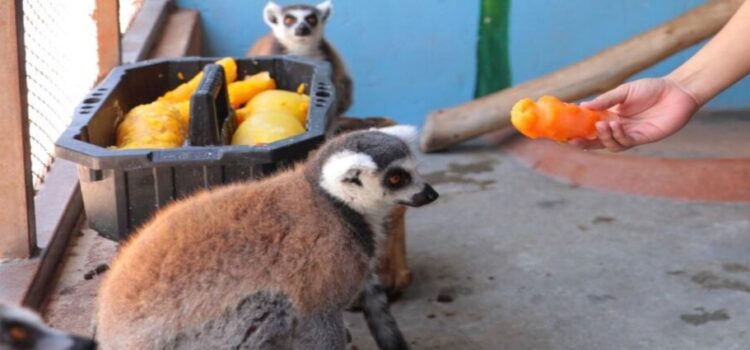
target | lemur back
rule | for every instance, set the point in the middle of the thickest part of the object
(268, 264)
(161, 278)
(298, 30)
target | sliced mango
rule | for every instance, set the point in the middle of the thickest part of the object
(154, 125)
(244, 90)
(277, 100)
(186, 90)
(267, 127)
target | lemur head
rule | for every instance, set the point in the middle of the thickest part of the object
(371, 171)
(297, 25)
(23, 329)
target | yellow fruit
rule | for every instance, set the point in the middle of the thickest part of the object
(242, 91)
(186, 90)
(153, 125)
(277, 100)
(184, 109)
(267, 127)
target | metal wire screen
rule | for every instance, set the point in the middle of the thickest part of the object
(61, 67)
(128, 9)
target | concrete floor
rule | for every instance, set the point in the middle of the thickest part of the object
(532, 263)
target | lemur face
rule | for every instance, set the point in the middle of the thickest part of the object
(21, 329)
(374, 170)
(297, 22)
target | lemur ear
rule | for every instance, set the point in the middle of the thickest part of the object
(407, 133)
(271, 13)
(325, 9)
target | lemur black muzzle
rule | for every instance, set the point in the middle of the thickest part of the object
(427, 196)
(302, 30)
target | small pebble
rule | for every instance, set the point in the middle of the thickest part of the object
(101, 268)
(444, 297)
(603, 220)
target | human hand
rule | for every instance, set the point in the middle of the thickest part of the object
(646, 110)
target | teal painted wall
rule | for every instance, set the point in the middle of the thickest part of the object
(407, 57)
(548, 35)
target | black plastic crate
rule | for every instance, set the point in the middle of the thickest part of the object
(122, 188)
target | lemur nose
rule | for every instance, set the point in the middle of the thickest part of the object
(430, 193)
(427, 196)
(302, 30)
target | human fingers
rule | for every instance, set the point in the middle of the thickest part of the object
(608, 99)
(605, 134)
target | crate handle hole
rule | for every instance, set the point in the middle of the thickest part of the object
(323, 94)
(97, 94)
(91, 100)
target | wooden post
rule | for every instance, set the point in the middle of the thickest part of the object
(147, 24)
(17, 233)
(107, 18)
(182, 35)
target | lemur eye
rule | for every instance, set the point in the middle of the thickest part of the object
(312, 20)
(18, 334)
(397, 178)
(394, 179)
(289, 20)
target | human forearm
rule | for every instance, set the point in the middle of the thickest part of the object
(724, 60)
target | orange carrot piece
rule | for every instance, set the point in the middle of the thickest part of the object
(554, 119)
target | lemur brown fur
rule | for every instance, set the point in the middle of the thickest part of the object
(185, 234)
(249, 264)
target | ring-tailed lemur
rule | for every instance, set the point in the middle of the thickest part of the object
(22, 329)
(268, 264)
(298, 30)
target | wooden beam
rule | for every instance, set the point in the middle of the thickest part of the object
(182, 36)
(17, 235)
(595, 74)
(107, 19)
(144, 30)
(59, 206)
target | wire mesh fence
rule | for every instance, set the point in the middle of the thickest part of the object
(61, 66)
(128, 9)
(60, 39)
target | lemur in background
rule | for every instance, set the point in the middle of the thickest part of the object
(298, 30)
(269, 264)
(22, 329)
